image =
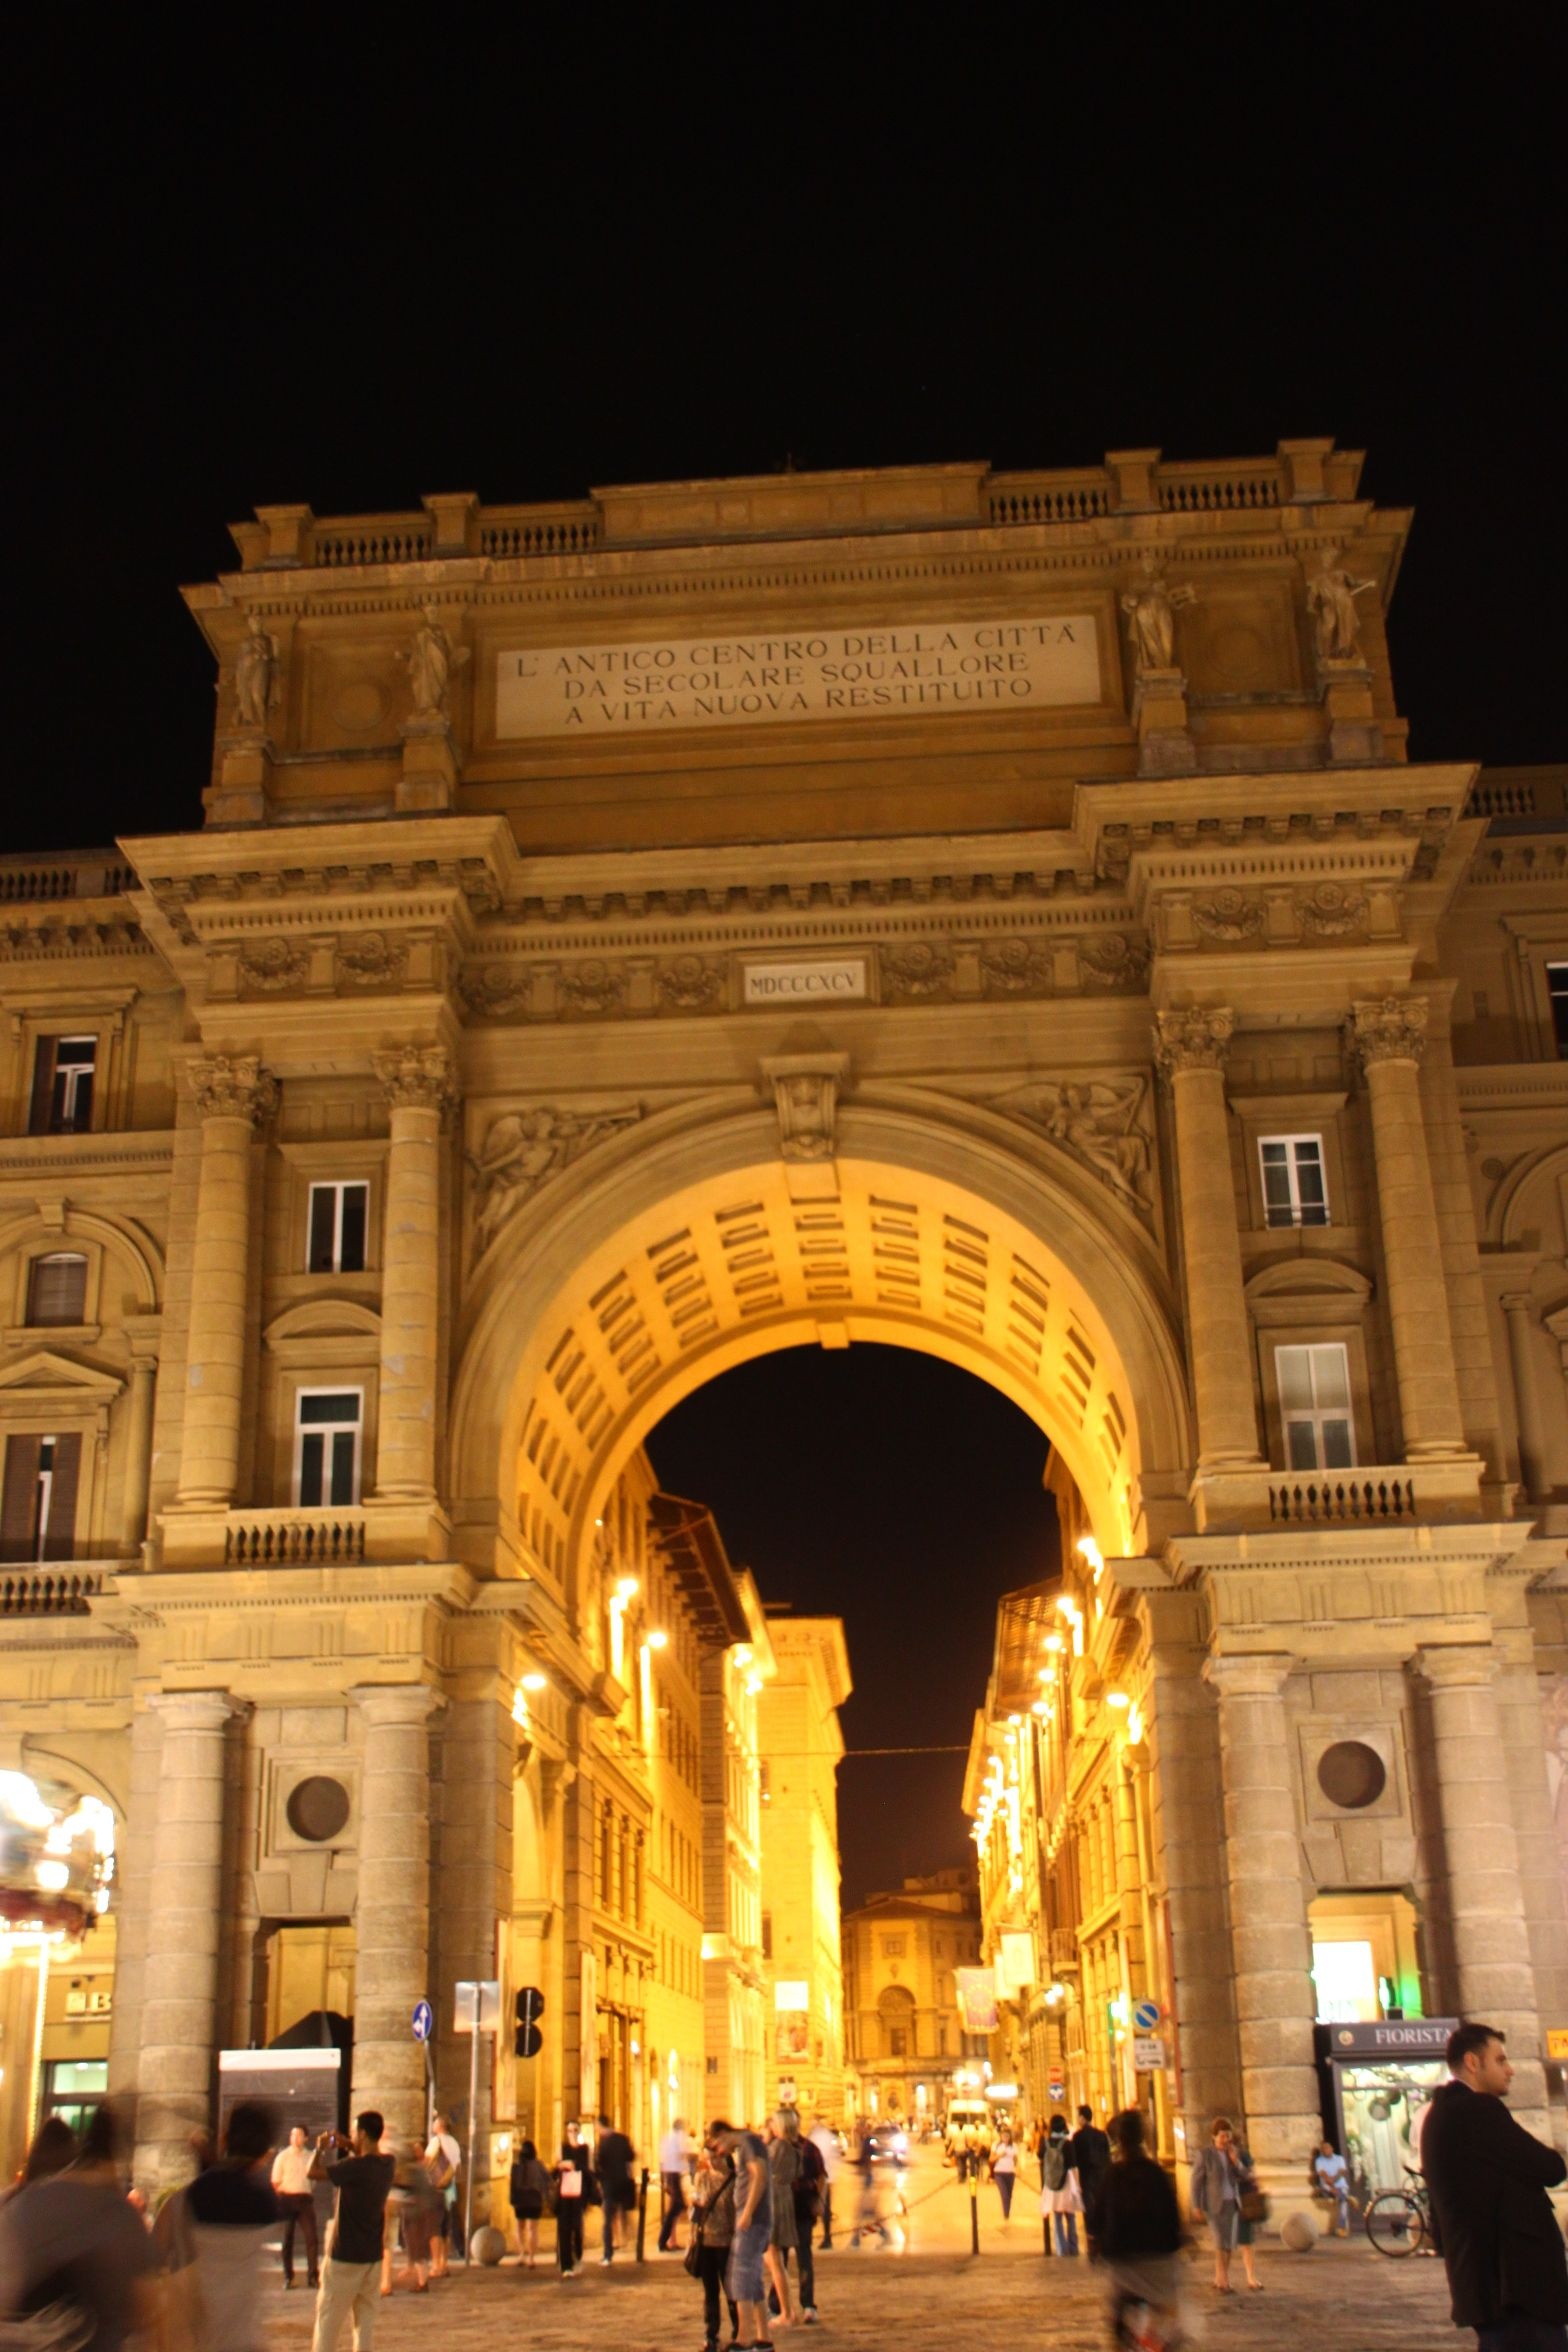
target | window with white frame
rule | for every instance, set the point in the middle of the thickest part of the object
(328, 1426)
(38, 1504)
(1557, 990)
(338, 1217)
(57, 1288)
(63, 1072)
(1314, 1400)
(1294, 1192)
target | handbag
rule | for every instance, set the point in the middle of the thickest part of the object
(1253, 2203)
(693, 2260)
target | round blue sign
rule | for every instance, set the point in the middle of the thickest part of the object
(1146, 2016)
(424, 2018)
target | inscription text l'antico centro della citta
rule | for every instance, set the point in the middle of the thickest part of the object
(754, 677)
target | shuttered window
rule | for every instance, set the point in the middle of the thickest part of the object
(38, 1501)
(57, 1289)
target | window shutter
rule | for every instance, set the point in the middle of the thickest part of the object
(20, 1497)
(60, 1536)
(57, 1290)
(41, 1117)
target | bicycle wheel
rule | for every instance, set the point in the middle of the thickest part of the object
(1394, 2223)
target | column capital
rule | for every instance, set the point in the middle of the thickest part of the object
(1456, 1665)
(1516, 1302)
(417, 1077)
(233, 1086)
(200, 1710)
(1387, 1029)
(1195, 1038)
(1250, 1675)
(393, 1703)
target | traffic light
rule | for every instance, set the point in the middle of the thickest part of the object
(527, 2041)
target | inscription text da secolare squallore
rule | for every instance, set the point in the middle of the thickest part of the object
(779, 675)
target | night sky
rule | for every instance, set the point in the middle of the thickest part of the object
(523, 253)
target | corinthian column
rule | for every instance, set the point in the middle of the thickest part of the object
(233, 1096)
(1190, 1049)
(1271, 1946)
(419, 1087)
(1388, 1037)
(184, 1913)
(1490, 1977)
(1527, 1398)
(392, 1913)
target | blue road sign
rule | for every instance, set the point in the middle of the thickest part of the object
(1146, 2016)
(424, 2018)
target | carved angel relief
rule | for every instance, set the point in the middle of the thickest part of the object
(522, 1150)
(1101, 1121)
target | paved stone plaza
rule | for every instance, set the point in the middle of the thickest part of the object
(1344, 2298)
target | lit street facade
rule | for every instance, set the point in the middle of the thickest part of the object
(991, 914)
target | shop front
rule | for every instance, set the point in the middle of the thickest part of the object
(1375, 2081)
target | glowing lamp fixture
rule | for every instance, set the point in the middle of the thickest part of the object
(1053, 1641)
(1117, 1698)
(1039, 1708)
(658, 1639)
(625, 1589)
(1090, 1551)
(742, 1653)
(536, 1681)
(753, 1683)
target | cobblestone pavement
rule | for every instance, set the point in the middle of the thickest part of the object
(1339, 2298)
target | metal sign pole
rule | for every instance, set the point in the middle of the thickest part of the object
(473, 2119)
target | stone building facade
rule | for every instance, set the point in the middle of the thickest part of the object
(991, 913)
(906, 2040)
(801, 1743)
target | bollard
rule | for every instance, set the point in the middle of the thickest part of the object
(974, 2205)
(642, 2213)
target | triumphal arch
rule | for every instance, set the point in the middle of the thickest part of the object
(989, 913)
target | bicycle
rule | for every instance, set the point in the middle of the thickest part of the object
(1399, 2221)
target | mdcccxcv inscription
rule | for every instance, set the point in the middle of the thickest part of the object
(779, 676)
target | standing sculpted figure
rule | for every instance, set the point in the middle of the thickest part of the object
(1151, 610)
(1331, 600)
(430, 661)
(255, 673)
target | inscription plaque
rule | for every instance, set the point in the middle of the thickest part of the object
(826, 979)
(774, 676)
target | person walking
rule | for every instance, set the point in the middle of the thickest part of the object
(214, 2230)
(572, 2176)
(443, 2154)
(351, 2273)
(529, 2186)
(753, 2229)
(672, 2184)
(1004, 2170)
(420, 2210)
(1221, 2176)
(53, 2148)
(73, 2241)
(1059, 2192)
(614, 2160)
(1488, 2177)
(713, 2230)
(810, 2187)
(783, 2172)
(1091, 2160)
(826, 2142)
(1131, 2217)
(297, 2204)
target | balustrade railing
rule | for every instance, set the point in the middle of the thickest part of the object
(291, 1539)
(84, 873)
(48, 1592)
(1327, 1500)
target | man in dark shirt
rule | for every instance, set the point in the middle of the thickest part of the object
(351, 2274)
(613, 2161)
(1488, 2176)
(1089, 2155)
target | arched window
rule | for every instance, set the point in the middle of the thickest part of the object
(896, 2011)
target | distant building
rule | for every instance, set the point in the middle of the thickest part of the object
(900, 1954)
(801, 1745)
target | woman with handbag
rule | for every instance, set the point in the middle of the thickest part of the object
(1059, 2192)
(572, 2176)
(712, 2229)
(1222, 2177)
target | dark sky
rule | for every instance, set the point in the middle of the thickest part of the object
(523, 252)
(904, 1496)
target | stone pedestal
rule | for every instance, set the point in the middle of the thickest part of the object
(1388, 1037)
(1159, 712)
(184, 1917)
(1191, 1048)
(1345, 690)
(242, 794)
(231, 1096)
(430, 765)
(392, 1914)
(419, 1086)
(1271, 1943)
(1490, 1977)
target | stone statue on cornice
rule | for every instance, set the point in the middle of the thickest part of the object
(255, 673)
(1151, 610)
(1331, 600)
(430, 661)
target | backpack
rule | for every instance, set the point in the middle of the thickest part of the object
(1053, 2163)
